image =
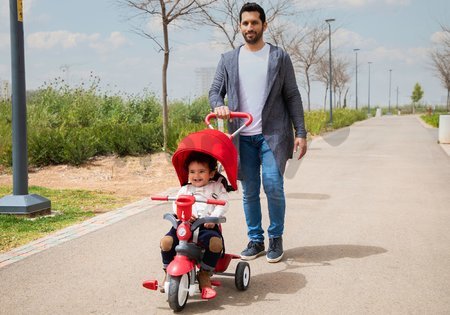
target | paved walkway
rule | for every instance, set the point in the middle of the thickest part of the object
(73, 232)
(366, 232)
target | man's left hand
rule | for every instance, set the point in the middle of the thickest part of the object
(300, 146)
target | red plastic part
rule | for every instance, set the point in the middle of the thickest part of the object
(150, 284)
(184, 231)
(224, 262)
(184, 207)
(180, 265)
(208, 293)
(162, 198)
(232, 115)
(216, 202)
(216, 283)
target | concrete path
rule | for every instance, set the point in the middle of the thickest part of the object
(367, 232)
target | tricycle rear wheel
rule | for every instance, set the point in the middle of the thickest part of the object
(242, 276)
(178, 292)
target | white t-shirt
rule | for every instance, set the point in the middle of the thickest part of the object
(213, 190)
(253, 67)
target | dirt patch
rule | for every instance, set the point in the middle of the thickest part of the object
(131, 177)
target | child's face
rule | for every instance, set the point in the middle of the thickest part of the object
(199, 174)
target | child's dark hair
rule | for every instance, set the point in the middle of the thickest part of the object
(200, 157)
(252, 7)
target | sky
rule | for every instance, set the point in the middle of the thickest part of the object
(75, 40)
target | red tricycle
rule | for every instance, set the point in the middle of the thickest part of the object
(182, 280)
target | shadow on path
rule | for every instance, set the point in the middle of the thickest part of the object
(285, 281)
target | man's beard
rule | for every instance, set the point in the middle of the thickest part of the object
(256, 37)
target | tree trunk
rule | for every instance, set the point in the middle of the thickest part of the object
(308, 89)
(164, 84)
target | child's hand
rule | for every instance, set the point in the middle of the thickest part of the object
(209, 225)
(192, 219)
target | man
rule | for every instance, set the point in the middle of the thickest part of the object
(259, 78)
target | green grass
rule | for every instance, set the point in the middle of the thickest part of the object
(73, 206)
(432, 120)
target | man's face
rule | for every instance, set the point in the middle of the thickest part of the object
(252, 27)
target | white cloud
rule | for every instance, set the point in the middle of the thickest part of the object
(67, 40)
(342, 4)
(49, 40)
(349, 39)
(113, 42)
(411, 56)
(438, 37)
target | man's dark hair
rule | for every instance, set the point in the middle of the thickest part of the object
(203, 158)
(252, 7)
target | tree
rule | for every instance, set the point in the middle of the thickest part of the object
(440, 57)
(224, 16)
(303, 45)
(416, 95)
(322, 74)
(166, 12)
(340, 78)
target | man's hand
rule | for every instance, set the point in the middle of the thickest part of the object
(222, 112)
(300, 145)
(192, 219)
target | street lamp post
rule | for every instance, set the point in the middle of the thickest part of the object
(20, 202)
(356, 79)
(390, 80)
(328, 21)
(368, 100)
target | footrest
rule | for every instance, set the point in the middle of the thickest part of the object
(150, 284)
(216, 283)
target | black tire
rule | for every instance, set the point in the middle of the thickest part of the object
(178, 292)
(242, 276)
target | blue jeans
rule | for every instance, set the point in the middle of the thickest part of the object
(256, 156)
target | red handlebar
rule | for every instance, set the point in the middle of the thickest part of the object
(216, 202)
(232, 115)
(162, 198)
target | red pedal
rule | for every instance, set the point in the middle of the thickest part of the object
(150, 284)
(216, 283)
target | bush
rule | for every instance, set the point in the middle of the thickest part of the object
(5, 133)
(316, 122)
(432, 120)
(71, 125)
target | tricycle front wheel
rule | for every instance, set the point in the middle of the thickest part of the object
(178, 292)
(242, 276)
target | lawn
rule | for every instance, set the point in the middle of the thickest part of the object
(68, 206)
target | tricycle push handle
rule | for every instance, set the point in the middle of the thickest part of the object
(247, 123)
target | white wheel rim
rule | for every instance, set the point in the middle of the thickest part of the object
(183, 289)
(246, 276)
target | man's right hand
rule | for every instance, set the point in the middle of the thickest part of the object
(222, 112)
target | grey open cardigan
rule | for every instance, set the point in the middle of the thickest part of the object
(283, 109)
